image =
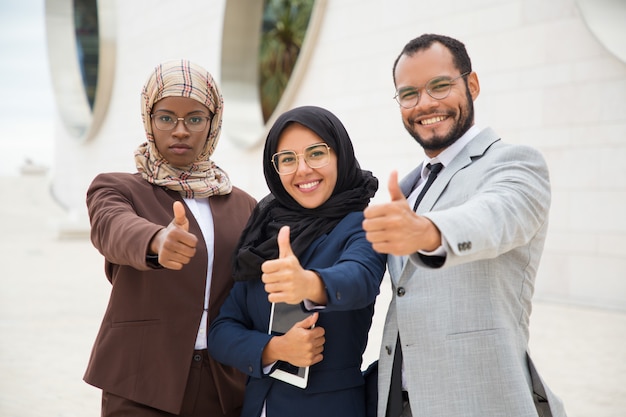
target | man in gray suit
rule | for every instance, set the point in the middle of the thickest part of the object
(462, 262)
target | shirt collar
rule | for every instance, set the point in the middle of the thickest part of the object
(447, 155)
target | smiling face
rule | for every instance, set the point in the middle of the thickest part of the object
(180, 146)
(310, 187)
(436, 124)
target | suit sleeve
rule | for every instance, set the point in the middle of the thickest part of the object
(119, 233)
(353, 280)
(500, 208)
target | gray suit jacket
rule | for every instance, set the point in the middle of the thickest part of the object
(464, 325)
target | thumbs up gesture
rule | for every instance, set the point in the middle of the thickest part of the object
(394, 188)
(286, 281)
(174, 244)
(180, 217)
(394, 228)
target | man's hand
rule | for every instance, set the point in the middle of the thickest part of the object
(395, 229)
(286, 281)
(174, 244)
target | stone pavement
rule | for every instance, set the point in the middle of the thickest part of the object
(53, 294)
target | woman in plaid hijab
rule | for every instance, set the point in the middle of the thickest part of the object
(167, 233)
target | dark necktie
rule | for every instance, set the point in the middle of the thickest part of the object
(395, 404)
(434, 170)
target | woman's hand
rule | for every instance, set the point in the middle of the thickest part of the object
(286, 281)
(301, 346)
(174, 244)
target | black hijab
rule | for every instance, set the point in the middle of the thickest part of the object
(353, 191)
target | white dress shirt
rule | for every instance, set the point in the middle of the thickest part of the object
(201, 211)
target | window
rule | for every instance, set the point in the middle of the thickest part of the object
(265, 48)
(81, 51)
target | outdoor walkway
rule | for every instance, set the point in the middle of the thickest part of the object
(53, 294)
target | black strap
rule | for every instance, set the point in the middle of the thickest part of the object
(540, 398)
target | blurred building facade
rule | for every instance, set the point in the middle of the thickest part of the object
(553, 76)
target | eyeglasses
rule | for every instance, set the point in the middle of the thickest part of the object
(438, 88)
(315, 156)
(194, 123)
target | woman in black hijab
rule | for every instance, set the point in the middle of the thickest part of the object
(305, 252)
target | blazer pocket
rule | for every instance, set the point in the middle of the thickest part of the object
(472, 376)
(135, 323)
(471, 334)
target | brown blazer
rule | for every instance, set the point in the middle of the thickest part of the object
(144, 348)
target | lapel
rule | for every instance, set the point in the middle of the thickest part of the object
(472, 151)
(475, 149)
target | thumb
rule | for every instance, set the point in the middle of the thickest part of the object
(284, 245)
(308, 322)
(394, 188)
(180, 217)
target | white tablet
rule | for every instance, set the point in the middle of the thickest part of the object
(282, 318)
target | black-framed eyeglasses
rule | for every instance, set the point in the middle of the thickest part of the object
(315, 156)
(166, 121)
(438, 88)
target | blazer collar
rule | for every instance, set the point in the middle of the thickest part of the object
(474, 149)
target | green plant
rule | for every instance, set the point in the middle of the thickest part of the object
(284, 27)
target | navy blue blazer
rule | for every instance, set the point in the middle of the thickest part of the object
(352, 272)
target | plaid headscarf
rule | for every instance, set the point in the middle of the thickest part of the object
(181, 78)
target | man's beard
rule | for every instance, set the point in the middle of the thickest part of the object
(439, 143)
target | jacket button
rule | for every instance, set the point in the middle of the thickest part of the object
(464, 246)
(388, 349)
(401, 291)
(197, 358)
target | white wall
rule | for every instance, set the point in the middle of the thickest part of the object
(545, 81)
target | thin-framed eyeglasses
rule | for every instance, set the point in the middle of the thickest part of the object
(315, 156)
(166, 121)
(438, 88)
